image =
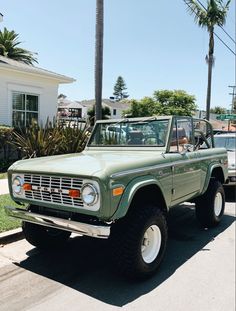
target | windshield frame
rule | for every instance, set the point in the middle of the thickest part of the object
(115, 122)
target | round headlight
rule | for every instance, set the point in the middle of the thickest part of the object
(89, 194)
(17, 184)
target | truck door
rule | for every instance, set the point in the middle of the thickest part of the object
(185, 161)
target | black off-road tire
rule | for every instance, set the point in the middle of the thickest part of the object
(211, 205)
(128, 237)
(44, 237)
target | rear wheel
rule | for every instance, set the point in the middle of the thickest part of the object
(210, 206)
(44, 237)
(139, 242)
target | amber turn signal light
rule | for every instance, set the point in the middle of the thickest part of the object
(74, 193)
(117, 191)
(27, 187)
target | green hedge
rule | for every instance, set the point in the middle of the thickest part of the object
(7, 151)
(5, 135)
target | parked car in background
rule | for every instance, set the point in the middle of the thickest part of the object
(228, 141)
(113, 130)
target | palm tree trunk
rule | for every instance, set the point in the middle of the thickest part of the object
(210, 65)
(208, 98)
(99, 59)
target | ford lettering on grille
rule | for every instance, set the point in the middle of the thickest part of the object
(50, 190)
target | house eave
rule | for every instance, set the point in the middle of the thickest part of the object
(44, 74)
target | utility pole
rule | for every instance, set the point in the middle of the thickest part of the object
(1, 17)
(233, 97)
(99, 58)
(233, 106)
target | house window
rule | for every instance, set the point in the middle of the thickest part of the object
(24, 109)
(114, 112)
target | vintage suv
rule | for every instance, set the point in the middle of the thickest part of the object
(122, 186)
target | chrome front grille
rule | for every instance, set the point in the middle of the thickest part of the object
(53, 189)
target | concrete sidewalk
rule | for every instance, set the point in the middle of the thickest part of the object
(4, 186)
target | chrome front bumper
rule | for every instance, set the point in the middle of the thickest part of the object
(102, 232)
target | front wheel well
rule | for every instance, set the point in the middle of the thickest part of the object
(150, 194)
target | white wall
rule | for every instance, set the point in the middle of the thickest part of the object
(45, 88)
(118, 114)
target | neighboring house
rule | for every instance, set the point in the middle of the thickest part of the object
(115, 107)
(69, 108)
(27, 93)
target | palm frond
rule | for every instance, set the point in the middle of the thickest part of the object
(195, 9)
(9, 48)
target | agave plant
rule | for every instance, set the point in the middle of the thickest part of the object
(37, 141)
(75, 136)
(52, 139)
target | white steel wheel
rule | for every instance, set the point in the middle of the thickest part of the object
(211, 205)
(218, 203)
(151, 244)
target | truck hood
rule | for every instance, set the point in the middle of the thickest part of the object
(88, 163)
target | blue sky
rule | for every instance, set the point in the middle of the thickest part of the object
(152, 44)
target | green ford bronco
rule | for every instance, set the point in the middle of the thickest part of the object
(121, 187)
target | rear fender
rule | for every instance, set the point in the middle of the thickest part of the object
(216, 171)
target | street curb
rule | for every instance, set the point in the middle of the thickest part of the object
(11, 236)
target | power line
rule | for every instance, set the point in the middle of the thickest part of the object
(225, 44)
(218, 25)
(228, 34)
(218, 37)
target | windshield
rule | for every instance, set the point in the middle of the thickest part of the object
(227, 142)
(130, 133)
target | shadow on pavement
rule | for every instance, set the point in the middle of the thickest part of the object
(230, 194)
(84, 264)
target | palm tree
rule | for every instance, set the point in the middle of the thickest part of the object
(9, 48)
(99, 59)
(213, 15)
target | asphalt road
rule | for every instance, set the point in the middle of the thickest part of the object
(198, 272)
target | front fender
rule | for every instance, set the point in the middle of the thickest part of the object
(130, 191)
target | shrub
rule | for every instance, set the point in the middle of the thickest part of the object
(5, 133)
(39, 141)
(5, 164)
(75, 136)
(5, 138)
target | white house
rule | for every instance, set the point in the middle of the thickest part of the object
(27, 92)
(116, 107)
(71, 108)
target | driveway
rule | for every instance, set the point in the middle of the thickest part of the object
(198, 272)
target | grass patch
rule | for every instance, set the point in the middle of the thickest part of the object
(6, 222)
(3, 175)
